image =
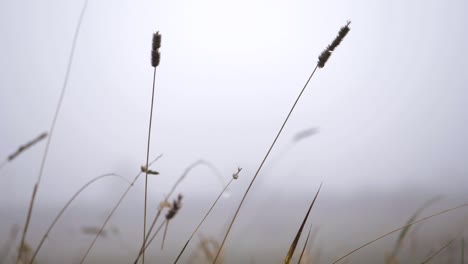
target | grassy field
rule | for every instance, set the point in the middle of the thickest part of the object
(289, 214)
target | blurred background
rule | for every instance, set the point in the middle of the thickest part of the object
(383, 125)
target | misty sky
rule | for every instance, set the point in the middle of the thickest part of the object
(390, 105)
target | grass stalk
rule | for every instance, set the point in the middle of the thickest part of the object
(292, 248)
(64, 208)
(181, 178)
(149, 241)
(323, 58)
(438, 251)
(261, 165)
(398, 229)
(147, 160)
(405, 231)
(113, 211)
(203, 220)
(155, 57)
(52, 127)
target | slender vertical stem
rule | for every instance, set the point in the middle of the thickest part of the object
(52, 127)
(146, 171)
(149, 241)
(261, 164)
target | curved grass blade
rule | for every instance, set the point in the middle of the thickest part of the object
(398, 229)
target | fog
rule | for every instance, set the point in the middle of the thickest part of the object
(386, 119)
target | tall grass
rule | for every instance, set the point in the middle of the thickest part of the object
(26, 255)
(52, 128)
(64, 208)
(323, 58)
(155, 58)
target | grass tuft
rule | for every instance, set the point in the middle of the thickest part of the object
(52, 128)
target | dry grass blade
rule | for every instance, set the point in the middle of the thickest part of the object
(113, 211)
(438, 251)
(64, 208)
(398, 229)
(305, 245)
(234, 177)
(52, 127)
(405, 230)
(149, 241)
(292, 248)
(463, 251)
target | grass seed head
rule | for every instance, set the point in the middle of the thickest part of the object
(325, 55)
(144, 169)
(235, 176)
(155, 55)
(156, 40)
(176, 205)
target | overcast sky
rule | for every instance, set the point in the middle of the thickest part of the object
(390, 105)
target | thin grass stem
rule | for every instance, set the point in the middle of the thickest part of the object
(261, 164)
(179, 180)
(113, 211)
(149, 241)
(438, 251)
(398, 229)
(64, 208)
(147, 160)
(52, 127)
(201, 222)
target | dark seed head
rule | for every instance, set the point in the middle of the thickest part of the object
(156, 40)
(155, 58)
(323, 58)
(155, 55)
(176, 205)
